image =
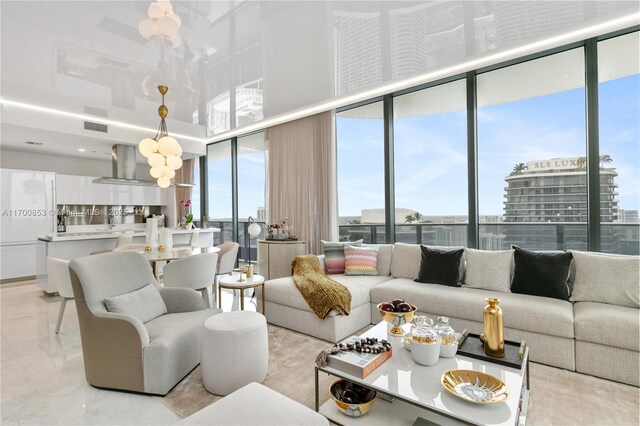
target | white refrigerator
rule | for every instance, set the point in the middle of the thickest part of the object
(28, 210)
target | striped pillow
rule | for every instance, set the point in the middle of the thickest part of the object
(334, 256)
(360, 260)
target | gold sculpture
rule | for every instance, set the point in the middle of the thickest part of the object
(493, 336)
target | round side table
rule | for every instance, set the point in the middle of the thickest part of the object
(231, 282)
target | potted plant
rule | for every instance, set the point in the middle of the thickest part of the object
(187, 216)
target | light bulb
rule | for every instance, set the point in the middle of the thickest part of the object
(155, 172)
(166, 6)
(175, 162)
(167, 171)
(148, 28)
(175, 18)
(167, 26)
(164, 182)
(168, 146)
(155, 11)
(156, 160)
(147, 147)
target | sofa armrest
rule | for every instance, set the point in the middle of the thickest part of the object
(128, 334)
(180, 299)
(321, 260)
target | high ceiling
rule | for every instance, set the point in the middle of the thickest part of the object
(242, 61)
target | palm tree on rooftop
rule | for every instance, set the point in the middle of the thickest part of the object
(417, 217)
(409, 218)
(605, 159)
(519, 168)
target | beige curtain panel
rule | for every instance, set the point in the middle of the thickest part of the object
(301, 178)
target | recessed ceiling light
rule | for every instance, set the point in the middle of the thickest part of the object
(81, 149)
(33, 143)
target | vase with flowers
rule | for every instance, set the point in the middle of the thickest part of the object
(187, 216)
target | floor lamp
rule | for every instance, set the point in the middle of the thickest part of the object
(253, 230)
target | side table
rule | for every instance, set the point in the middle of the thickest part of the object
(231, 282)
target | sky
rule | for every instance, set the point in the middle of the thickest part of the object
(431, 156)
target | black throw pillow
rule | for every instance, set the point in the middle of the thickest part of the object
(541, 273)
(439, 266)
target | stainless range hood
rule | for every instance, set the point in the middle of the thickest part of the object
(123, 158)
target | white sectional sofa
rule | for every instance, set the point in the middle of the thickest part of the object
(601, 339)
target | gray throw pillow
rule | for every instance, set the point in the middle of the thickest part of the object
(144, 304)
(606, 278)
(489, 270)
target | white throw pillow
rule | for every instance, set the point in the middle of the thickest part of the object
(144, 304)
(606, 278)
(489, 270)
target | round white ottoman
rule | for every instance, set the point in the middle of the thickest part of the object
(234, 351)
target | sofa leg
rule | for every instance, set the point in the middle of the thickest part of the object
(60, 314)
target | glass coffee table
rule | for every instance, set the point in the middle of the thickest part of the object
(418, 392)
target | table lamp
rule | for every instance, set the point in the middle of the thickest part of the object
(254, 231)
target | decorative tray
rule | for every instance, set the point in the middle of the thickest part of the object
(282, 239)
(473, 347)
(475, 386)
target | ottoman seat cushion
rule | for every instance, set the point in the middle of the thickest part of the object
(255, 404)
(234, 352)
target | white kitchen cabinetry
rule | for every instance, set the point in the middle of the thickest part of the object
(81, 190)
(275, 257)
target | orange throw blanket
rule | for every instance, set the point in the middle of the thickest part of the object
(321, 292)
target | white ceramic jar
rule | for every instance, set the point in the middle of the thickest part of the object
(425, 346)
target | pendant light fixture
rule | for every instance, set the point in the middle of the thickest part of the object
(162, 151)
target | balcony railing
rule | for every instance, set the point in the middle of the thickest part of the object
(621, 238)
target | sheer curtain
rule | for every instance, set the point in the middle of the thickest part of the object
(301, 178)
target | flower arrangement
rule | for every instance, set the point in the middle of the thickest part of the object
(187, 215)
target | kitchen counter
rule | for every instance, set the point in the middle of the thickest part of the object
(98, 235)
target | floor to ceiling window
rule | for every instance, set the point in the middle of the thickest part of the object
(430, 154)
(251, 190)
(532, 180)
(360, 156)
(219, 195)
(195, 192)
(619, 123)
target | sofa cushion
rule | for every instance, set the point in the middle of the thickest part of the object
(522, 312)
(360, 260)
(144, 304)
(611, 325)
(541, 273)
(385, 252)
(489, 270)
(440, 266)
(334, 256)
(605, 278)
(284, 291)
(406, 259)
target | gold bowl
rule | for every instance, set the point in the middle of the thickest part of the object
(397, 319)
(474, 386)
(352, 399)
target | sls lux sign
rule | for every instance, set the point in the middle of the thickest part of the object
(554, 164)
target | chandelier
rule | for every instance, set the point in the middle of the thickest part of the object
(162, 152)
(163, 24)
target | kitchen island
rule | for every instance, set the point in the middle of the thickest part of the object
(69, 245)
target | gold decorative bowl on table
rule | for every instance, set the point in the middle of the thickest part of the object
(397, 319)
(474, 386)
(352, 399)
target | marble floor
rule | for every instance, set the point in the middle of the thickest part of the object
(42, 374)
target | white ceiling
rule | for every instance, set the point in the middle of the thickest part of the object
(86, 57)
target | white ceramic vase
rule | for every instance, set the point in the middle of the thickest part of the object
(425, 353)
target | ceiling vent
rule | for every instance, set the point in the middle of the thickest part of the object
(34, 143)
(96, 127)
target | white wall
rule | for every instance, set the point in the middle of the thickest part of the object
(60, 164)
